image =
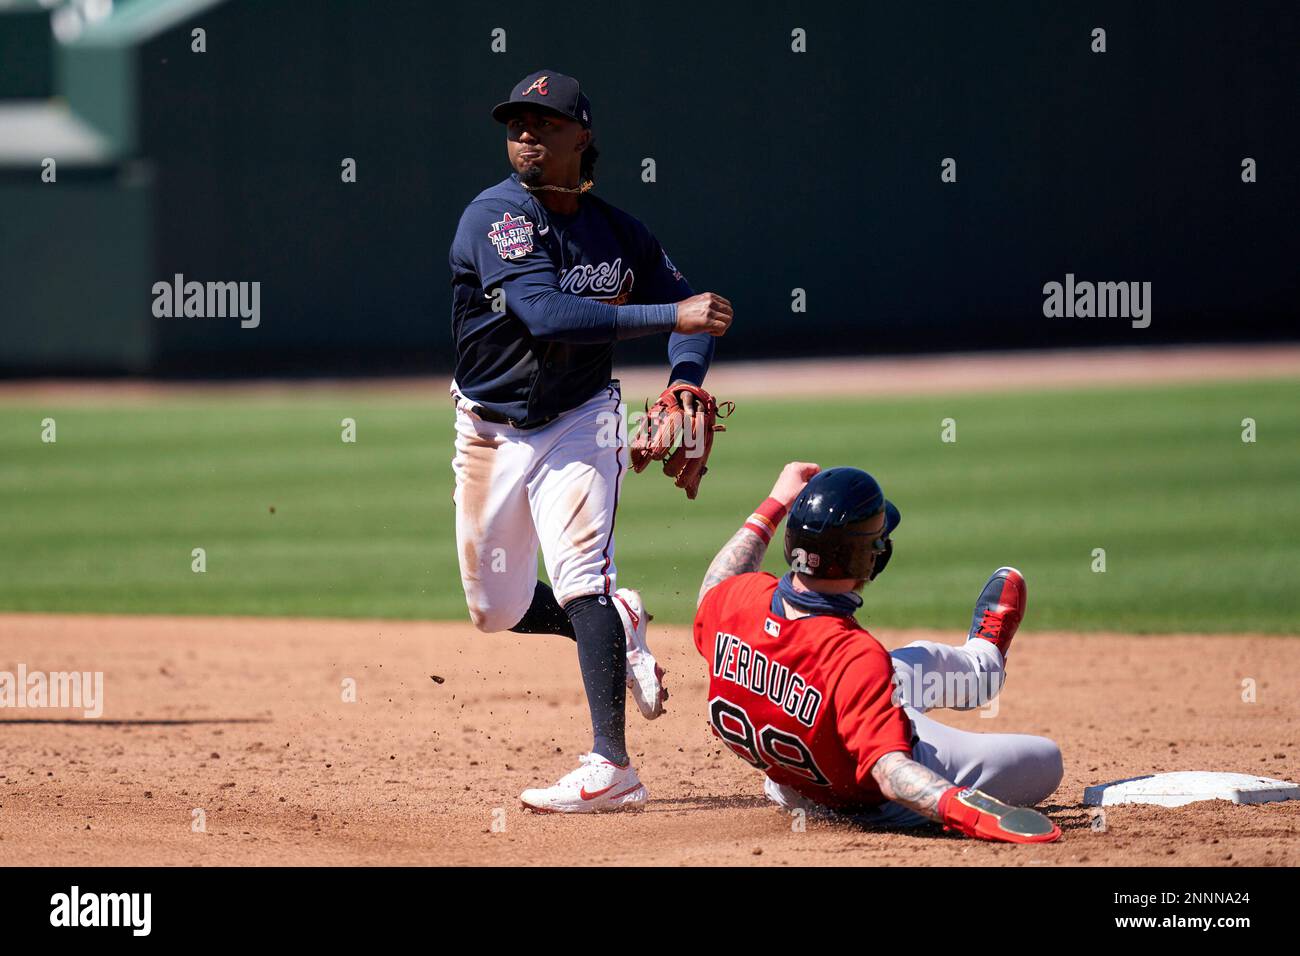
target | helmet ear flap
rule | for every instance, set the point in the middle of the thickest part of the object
(834, 552)
(882, 559)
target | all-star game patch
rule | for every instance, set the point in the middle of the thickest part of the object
(513, 237)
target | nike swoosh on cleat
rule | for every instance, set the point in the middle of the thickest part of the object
(586, 795)
(636, 619)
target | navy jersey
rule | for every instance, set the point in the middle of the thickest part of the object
(572, 286)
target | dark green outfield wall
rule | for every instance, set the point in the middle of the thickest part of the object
(776, 170)
(26, 52)
(76, 269)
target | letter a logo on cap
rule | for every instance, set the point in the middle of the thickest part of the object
(539, 85)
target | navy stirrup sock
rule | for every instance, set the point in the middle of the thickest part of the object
(602, 655)
(544, 615)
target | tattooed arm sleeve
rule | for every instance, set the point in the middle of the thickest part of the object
(741, 555)
(905, 781)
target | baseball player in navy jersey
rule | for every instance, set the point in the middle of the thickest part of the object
(545, 278)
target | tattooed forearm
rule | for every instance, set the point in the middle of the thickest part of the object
(905, 781)
(741, 555)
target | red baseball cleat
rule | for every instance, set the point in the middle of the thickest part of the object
(999, 610)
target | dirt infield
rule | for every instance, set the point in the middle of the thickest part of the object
(244, 720)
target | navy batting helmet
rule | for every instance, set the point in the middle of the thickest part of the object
(825, 532)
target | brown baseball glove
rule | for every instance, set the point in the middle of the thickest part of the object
(681, 436)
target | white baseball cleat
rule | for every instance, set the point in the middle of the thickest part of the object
(787, 798)
(645, 678)
(597, 785)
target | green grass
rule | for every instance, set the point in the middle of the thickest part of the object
(1199, 528)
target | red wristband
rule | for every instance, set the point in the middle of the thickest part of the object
(766, 517)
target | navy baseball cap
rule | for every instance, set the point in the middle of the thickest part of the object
(549, 90)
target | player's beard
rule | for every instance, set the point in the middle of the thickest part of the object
(532, 175)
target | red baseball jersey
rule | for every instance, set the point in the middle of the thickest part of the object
(808, 702)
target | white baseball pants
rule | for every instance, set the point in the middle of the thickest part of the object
(556, 486)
